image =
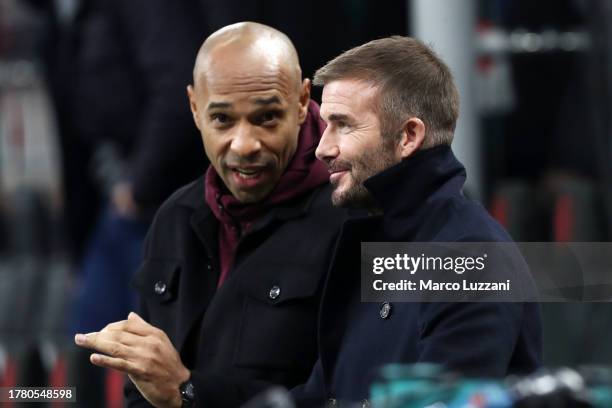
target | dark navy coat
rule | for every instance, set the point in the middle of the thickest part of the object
(422, 201)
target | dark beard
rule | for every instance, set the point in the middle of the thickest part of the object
(371, 163)
(356, 197)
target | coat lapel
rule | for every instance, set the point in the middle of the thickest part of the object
(343, 282)
(198, 289)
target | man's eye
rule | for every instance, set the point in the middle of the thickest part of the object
(342, 125)
(220, 118)
(267, 118)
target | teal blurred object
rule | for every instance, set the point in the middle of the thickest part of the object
(600, 385)
(430, 386)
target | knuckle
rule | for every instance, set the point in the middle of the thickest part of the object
(139, 370)
(115, 326)
(152, 345)
(109, 327)
(109, 336)
(145, 369)
(114, 350)
(119, 337)
(123, 365)
(128, 325)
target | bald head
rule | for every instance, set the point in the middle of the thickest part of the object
(256, 44)
(249, 101)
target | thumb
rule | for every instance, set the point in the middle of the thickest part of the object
(135, 316)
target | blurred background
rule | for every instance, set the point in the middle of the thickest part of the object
(95, 132)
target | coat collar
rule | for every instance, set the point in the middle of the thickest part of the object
(194, 200)
(203, 217)
(426, 175)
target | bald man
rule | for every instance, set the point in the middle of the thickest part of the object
(234, 262)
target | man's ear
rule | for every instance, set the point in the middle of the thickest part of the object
(304, 100)
(412, 136)
(193, 105)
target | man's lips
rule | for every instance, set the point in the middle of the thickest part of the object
(250, 168)
(335, 174)
(247, 176)
(247, 169)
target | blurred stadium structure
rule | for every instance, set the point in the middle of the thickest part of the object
(34, 270)
(537, 80)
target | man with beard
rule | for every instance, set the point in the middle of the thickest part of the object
(234, 262)
(391, 107)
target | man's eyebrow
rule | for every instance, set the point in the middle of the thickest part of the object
(267, 101)
(338, 117)
(218, 105)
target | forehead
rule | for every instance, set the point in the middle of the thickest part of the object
(233, 78)
(348, 97)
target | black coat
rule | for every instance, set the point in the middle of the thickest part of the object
(240, 338)
(422, 202)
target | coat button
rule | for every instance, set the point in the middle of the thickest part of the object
(160, 288)
(274, 292)
(331, 403)
(385, 310)
(209, 267)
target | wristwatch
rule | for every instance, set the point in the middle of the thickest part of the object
(187, 391)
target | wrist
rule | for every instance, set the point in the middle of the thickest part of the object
(186, 394)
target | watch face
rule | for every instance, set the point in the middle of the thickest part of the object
(187, 391)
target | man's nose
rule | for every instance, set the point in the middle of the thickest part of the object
(245, 142)
(327, 149)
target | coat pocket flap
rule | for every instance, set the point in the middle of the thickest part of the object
(276, 284)
(157, 279)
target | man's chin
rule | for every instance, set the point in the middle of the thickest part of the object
(338, 202)
(250, 197)
(342, 199)
(338, 197)
(352, 198)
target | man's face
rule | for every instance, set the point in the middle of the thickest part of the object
(352, 145)
(249, 113)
